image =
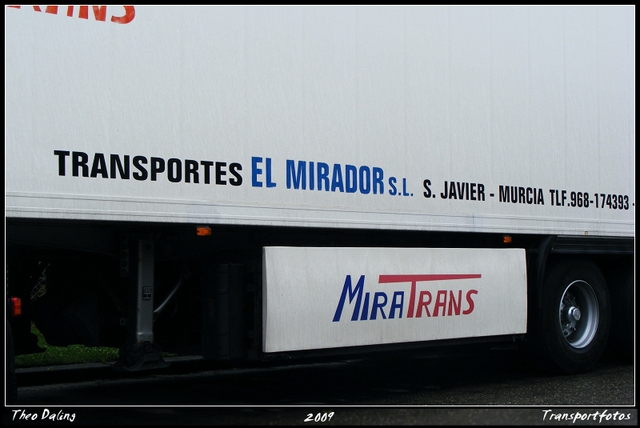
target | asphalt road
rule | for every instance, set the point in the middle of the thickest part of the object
(478, 386)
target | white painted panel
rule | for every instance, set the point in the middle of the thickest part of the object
(441, 112)
(317, 298)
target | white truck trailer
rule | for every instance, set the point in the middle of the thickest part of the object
(261, 182)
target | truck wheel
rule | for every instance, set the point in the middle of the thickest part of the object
(572, 327)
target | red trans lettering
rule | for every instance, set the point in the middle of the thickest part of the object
(413, 279)
(454, 307)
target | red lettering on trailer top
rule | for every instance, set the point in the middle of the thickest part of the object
(99, 12)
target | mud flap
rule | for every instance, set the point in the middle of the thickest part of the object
(319, 298)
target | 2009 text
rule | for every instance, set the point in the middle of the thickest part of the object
(319, 417)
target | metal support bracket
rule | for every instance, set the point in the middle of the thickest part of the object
(140, 353)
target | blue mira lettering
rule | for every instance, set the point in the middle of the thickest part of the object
(348, 289)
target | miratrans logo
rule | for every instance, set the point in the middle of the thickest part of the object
(116, 14)
(431, 303)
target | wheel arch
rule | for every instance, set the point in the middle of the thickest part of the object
(599, 259)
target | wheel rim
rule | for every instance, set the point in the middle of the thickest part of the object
(578, 314)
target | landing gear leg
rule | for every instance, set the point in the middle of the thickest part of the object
(140, 353)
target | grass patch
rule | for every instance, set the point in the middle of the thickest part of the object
(59, 355)
(72, 354)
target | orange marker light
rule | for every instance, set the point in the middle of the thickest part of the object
(507, 239)
(203, 231)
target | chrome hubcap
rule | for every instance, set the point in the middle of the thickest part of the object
(578, 314)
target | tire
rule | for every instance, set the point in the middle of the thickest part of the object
(570, 329)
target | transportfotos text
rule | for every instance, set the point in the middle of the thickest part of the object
(549, 415)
